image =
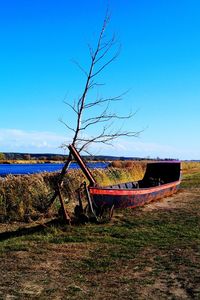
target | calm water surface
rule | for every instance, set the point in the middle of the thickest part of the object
(23, 169)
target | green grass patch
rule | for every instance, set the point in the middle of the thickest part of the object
(140, 254)
(191, 180)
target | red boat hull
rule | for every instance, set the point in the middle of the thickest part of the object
(123, 198)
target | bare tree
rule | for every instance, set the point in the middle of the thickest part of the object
(102, 55)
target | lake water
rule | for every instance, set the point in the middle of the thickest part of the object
(23, 169)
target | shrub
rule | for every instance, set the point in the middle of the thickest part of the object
(117, 164)
(2, 156)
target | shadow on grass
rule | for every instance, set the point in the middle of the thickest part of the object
(30, 230)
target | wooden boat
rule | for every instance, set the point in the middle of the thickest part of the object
(161, 179)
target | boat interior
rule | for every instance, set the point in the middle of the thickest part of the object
(157, 173)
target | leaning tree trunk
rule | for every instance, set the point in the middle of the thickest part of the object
(58, 192)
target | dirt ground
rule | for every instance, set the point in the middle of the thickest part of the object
(53, 271)
(180, 199)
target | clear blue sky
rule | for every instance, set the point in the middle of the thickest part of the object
(159, 64)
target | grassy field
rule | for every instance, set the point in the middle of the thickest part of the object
(145, 253)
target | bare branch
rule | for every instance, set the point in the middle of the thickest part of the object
(107, 63)
(94, 84)
(90, 50)
(107, 46)
(105, 138)
(102, 55)
(102, 119)
(68, 127)
(80, 67)
(71, 106)
(104, 100)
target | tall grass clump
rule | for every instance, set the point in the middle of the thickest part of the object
(22, 197)
(26, 197)
(187, 166)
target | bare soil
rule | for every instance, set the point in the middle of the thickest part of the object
(178, 200)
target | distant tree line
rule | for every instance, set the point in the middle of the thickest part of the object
(34, 156)
(59, 157)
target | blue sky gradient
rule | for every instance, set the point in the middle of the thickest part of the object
(159, 64)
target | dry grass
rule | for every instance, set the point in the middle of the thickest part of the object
(23, 198)
(190, 166)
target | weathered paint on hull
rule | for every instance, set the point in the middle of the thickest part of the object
(124, 198)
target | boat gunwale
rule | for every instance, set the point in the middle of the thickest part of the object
(126, 191)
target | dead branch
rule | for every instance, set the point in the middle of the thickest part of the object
(102, 55)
